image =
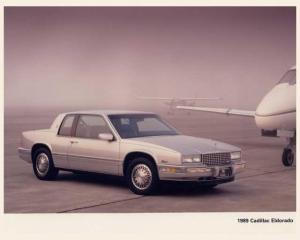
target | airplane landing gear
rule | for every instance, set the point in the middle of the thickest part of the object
(289, 153)
(288, 157)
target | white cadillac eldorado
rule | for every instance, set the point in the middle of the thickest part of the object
(137, 145)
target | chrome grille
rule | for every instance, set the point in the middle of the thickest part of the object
(216, 159)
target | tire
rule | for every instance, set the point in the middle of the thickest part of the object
(43, 166)
(208, 187)
(147, 183)
(287, 157)
(79, 172)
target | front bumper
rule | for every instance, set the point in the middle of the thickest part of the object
(212, 174)
(25, 154)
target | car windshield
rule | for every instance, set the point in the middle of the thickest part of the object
(289, 77)
(140, 125)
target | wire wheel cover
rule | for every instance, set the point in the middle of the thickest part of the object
(141, 176)
(42, 164)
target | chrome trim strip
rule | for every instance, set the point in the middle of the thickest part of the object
(177, 166)
(275, 114)
(23, 149)
(94, 164)
(89, 157)
(61, 154)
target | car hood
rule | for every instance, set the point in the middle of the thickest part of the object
(188, 145)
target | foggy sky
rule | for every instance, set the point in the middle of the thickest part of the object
(105, 56)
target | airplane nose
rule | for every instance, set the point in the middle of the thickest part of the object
(266, 106)
(281, 99)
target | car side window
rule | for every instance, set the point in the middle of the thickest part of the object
(90, 126)
(66, 126)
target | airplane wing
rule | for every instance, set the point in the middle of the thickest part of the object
(199, 98)
(227, 111)
(155, 98)
(170, 99)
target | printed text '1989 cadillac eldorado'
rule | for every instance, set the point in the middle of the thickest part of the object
(137, 145)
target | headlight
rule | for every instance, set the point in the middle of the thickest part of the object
(191, 159)
(187, 159)
(235, 155)
(197, 159)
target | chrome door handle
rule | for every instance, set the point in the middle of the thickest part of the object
(73, 142)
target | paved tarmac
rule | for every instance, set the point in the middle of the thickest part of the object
(265, 185)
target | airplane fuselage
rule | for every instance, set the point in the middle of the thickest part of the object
(275, 115)
(277, 110)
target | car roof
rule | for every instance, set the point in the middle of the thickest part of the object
(108, 112)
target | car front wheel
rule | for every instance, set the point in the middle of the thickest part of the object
(43, 166)
(142, 177)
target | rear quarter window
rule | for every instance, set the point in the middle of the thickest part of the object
(66, 126)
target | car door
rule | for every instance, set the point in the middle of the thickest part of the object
(62, 143)
(88, 152)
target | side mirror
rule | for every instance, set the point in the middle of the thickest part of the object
(106, 136)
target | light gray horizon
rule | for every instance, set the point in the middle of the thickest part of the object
(106, 56)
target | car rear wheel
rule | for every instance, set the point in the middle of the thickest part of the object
(43, 166)
(142, 177)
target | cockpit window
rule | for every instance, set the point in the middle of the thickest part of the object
(289, 77)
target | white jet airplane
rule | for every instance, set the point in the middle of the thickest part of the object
(275, 115)
(173, 101)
